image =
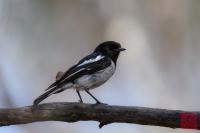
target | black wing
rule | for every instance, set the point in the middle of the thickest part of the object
(84, 67)
(64, 76)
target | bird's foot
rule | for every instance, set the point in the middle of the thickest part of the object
(80, 101)
(97, 103)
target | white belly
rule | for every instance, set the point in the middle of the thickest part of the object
(94, 80)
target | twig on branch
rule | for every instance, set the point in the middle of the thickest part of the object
(105, 114)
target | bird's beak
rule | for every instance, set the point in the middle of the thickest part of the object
(121, 49)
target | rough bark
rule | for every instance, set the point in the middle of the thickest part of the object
(105, 114)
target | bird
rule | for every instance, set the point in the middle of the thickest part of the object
(90, 72)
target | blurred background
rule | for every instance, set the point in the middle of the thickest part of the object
(160, 69)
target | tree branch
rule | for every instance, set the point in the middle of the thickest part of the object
(105, 114)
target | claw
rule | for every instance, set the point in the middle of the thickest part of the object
(80, 101)
(98, 102)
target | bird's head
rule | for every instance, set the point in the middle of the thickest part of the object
(110, 48)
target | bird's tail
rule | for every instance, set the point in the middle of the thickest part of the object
(43, 96)
(54, 90)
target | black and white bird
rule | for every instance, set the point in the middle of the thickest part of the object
(89, 73)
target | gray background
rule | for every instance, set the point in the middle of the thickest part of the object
(161, 67)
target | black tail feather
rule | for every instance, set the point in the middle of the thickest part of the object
(50, 91)
(43, 96)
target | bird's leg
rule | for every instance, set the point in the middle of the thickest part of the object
(79, 95)
(98, 102)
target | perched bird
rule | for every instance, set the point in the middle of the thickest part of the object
(89, 73)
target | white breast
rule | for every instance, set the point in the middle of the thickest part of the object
(94, 80)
